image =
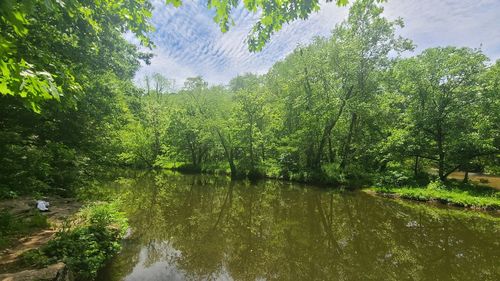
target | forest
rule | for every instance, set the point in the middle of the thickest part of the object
(355, 109)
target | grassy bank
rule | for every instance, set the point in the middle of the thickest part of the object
(453, 193)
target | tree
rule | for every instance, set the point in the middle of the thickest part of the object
(443, 100)
(250, 117)
(45, 44)
(36, 72)
(328, 86)
(188, 136)
(489, 115)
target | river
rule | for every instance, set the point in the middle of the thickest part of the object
(198, 227)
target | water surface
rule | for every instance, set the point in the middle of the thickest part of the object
(192, 227)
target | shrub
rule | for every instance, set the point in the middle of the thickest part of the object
(87, 241)
(393, 178)
(436, 185)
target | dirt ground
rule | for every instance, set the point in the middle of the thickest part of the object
(59, 210)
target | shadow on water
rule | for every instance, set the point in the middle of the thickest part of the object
(199, 227)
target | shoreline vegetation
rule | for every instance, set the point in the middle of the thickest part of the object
(454, 192)
(353, 109)
(89, 238)
(74, 246)
(465, 196)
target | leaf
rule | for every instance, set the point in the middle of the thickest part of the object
(4, 67)
(176, 3)
(4, 89)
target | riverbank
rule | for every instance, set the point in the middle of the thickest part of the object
(24, 229)
(451, 193)
(92, 235)
(69, 239)
(482, 192)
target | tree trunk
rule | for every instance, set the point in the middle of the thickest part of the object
(232, 166)
(252, 163)
(440, 141)
(329, 127)
(229, 155)
(326, 133)
(201, 153)
(192, 149)
(263, 152)
(415, 167)
(347, 146)
(330, 150)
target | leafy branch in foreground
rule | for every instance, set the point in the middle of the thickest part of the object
(273, 15)
(45, 43)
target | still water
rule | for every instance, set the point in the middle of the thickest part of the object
(192, 227)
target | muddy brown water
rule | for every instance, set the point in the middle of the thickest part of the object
(491, 181)
(192, 227)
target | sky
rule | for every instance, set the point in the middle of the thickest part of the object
(189, 43)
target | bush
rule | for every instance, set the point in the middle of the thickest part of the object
(393, 178)
(37, 258)
(187, 168)
(436, 185)
(6, 226)
(85, 244)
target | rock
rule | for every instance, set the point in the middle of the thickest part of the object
(55, 272)
(65, 275)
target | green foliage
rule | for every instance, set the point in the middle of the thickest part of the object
(93, 237)
(458, 194)
(339, 110)
(90, 67)
(38, 72)
(436, 185)
(30, 167)
(12, 227)
(273, 15)
(36, 258)
(7, 222)
(344, 109)
(394, 178)
(443, 98)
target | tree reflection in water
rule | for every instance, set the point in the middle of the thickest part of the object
(197, 227)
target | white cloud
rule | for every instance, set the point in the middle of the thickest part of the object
(189, 43)
(432, 23)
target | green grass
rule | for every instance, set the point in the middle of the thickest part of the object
(465, 195)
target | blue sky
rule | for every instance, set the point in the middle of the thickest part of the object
(189, 43)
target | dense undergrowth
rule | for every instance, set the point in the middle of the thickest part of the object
(85, 243)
